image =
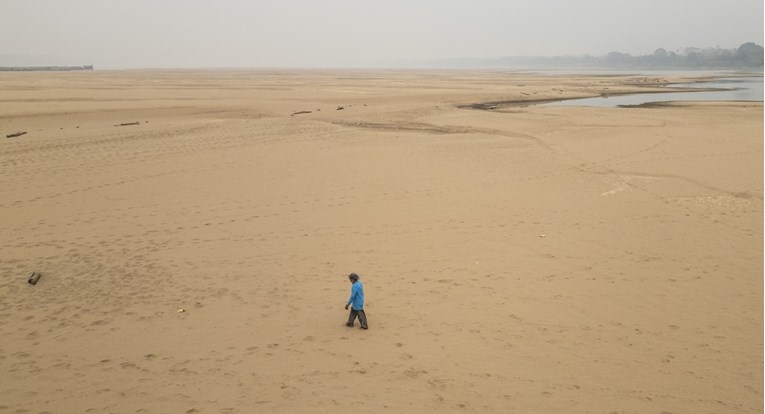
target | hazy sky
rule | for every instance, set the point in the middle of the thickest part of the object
(340, 33)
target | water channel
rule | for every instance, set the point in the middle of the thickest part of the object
(727, 89)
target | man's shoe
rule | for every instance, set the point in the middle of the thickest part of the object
(364, 327)
(350, 325)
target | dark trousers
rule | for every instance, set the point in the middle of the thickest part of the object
(362, 318)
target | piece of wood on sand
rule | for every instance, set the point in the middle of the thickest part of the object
(128, 123)
(300, 113)
(34, 277)
(16, 134)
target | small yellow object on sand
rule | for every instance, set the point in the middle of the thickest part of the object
(181, 310)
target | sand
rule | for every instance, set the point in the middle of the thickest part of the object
(524, 259)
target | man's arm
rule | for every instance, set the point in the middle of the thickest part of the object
(354, 293)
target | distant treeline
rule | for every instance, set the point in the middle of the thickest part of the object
(748, 55)
(43, 68)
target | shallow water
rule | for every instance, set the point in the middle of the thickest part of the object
(734, 89)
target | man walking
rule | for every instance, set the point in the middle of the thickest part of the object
(356, 302)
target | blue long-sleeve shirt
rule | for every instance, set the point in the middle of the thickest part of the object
(357, 296)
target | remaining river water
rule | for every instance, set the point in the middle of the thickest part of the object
(730, 89)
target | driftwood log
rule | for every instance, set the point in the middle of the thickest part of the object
(16, 134)
(128, 123)
(300, 112)
(34, 277)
